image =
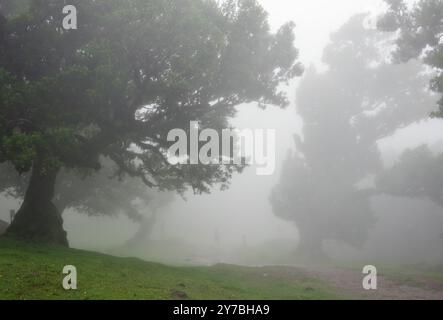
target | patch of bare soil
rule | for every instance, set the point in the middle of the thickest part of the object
(349, 283)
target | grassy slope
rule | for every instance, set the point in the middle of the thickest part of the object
(35, 272)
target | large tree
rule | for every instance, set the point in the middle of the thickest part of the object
(134, 70)
(327, 185)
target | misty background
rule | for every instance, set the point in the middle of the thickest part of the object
(238, 225)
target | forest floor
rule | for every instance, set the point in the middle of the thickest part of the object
(29, 271)
(392, 284)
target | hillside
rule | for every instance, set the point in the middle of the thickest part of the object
(29, 271)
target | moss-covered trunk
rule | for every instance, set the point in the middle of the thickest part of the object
(38, 218)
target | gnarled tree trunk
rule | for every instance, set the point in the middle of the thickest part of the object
(38, 219)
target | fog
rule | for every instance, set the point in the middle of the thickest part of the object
(243, 225)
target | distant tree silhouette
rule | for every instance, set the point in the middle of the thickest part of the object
(327, 184)
(417, 174)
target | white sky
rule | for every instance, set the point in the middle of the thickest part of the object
(315, 19)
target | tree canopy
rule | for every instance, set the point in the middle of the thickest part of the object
(420, 32)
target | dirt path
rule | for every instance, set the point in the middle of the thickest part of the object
(349, 282)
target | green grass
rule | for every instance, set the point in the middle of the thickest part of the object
(29, 271)
(417, 276)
